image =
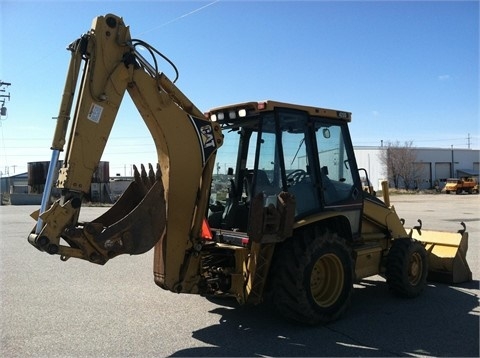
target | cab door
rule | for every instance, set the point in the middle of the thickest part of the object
(338, 172)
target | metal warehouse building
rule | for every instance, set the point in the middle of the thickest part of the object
(431, 165)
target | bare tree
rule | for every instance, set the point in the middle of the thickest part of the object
(400, 163)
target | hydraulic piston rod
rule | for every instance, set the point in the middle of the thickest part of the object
(48, 188)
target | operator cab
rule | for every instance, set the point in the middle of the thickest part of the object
(272, 147)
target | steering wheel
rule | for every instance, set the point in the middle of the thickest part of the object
(296, 176)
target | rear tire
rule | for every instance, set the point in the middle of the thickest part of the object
(312, 277)
(407, 268)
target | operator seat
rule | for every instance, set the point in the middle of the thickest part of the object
(329, 191)
(305, 197)
(262, 185)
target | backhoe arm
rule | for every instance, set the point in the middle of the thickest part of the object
(163, 207)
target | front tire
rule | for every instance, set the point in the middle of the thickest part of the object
(407, 268)
(312, 277)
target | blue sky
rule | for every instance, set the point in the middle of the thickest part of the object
(407, 70)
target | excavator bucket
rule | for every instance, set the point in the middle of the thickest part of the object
(133, 225)
(447, 255)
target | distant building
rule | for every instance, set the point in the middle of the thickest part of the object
(432, 165)
(14, 184)
(27, 188)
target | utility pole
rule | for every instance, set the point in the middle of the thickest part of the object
(3, 97)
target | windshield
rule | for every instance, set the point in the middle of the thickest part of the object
(295, 152)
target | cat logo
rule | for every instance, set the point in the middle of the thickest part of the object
(207, 136)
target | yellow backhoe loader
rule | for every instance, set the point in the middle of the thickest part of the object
(288, 224)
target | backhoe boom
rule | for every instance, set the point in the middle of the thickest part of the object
(186, 143)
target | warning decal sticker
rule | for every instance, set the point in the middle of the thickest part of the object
(95, 113)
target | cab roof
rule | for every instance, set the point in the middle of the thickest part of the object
(269, 105)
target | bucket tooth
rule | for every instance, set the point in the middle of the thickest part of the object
(144, 176)
(140, 179)
(136, 173)
(151, 174)
(158, 173)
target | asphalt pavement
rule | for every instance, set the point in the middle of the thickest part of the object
(51, 308)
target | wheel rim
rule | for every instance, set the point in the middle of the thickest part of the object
(415, 269)
(326, 280)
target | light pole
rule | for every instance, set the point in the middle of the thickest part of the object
(453, 164)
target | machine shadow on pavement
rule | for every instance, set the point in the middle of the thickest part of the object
(377, 324)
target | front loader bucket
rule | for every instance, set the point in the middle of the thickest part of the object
(447, 255)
